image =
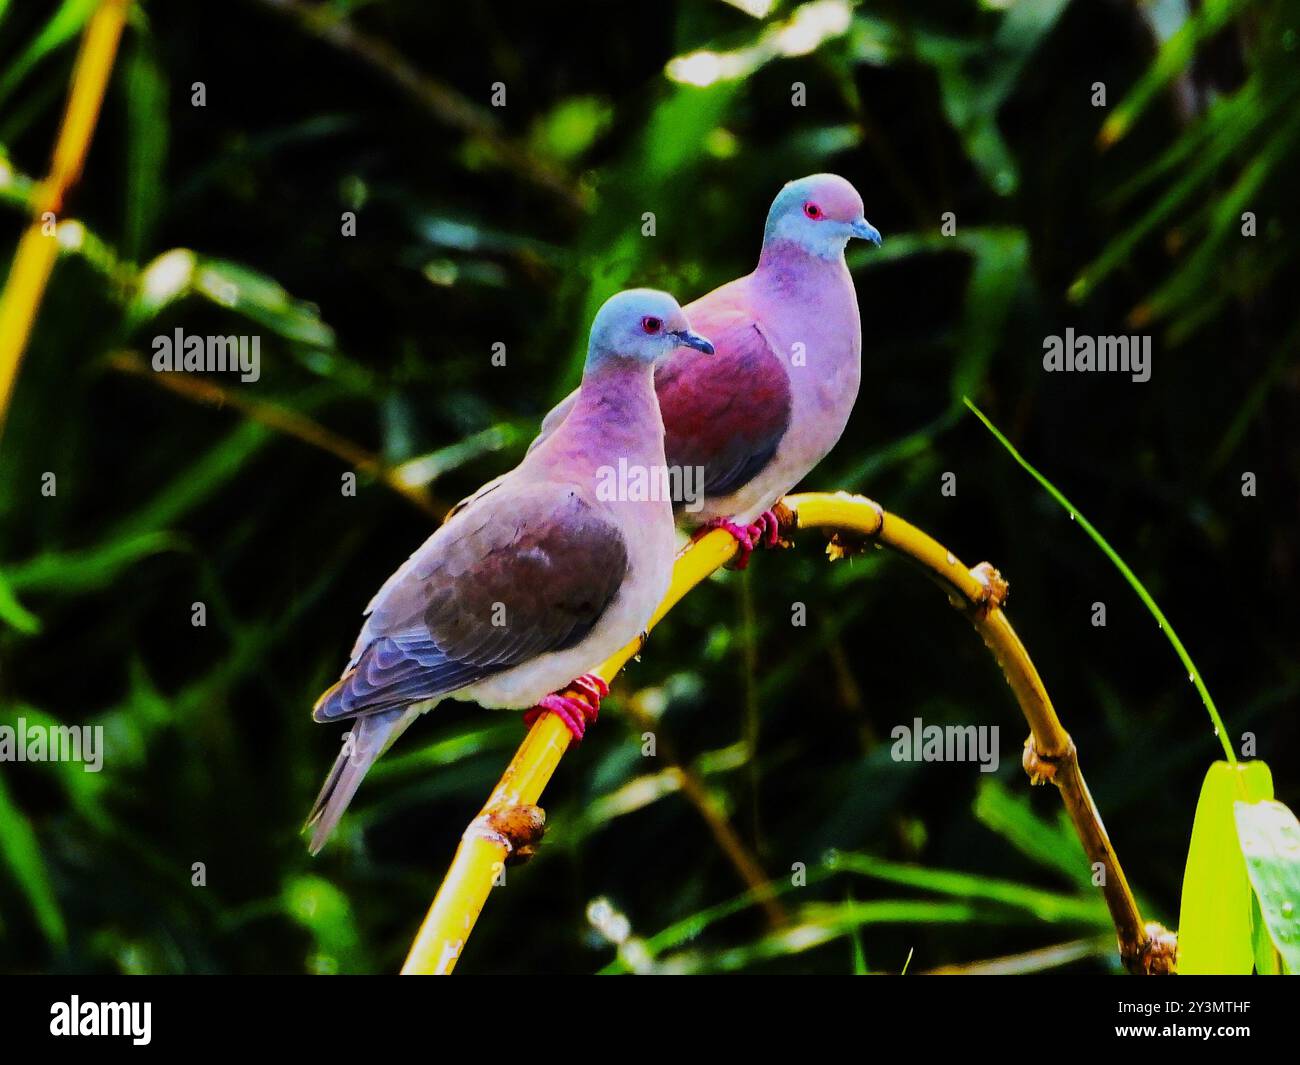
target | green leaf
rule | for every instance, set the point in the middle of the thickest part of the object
(13, 613)
(1048, 906)
(1174, 58)
(1053, 845)
(820, 923)
(146, 155)
(62, 27)
(323, 910)
(859, 954)
(571, 127)
(84, 790)
(976, 79)
(1267, 962)
(1214, 931)
(1270, 842)
(262, 299)
(1209, 145)
(1001, 266)
(96, 567)
(21, 852)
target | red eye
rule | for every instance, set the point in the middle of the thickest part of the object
(812, 211)
(651, 325)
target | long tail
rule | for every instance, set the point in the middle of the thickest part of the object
(371, 736)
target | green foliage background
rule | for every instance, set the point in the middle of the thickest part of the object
(477, 225)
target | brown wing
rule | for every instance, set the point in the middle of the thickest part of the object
(520, 574)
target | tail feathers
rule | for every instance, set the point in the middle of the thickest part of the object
(370, 737)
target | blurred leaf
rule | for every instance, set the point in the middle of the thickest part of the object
(143, 533)
(569, 129)
(674, 144)
(146, 145)
(638, 793)
(1051, 844)
(1173, 59)
(1209, 143)
(262, 299)
(1192, 281)
(859, 953)
(14, 613)
(975, 77)
(425, 469)
(1000, 270)
(197, 481)
(689, 928)
(323, 910)
(95, 567)
(809, 26)
(62, 27)
(822, 923)
(1214, 935)
(83, 789)
(22, 855)
(458, 747)
(1046, 905)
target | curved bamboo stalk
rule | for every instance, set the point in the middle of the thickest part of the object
(480, 859)
(499, 831)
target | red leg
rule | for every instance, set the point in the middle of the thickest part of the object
(766, 529)
(594, 688)
(576, 712)
(742, 534)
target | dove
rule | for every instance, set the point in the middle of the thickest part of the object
(534, 579)
(775, 398)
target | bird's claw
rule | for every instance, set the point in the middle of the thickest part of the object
(763, 531)
(742, 534)
(766, 529)
(575, 711)
(594, 688)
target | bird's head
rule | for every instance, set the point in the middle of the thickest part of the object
(819, 214)
(641, 324)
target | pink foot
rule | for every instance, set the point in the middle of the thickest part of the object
(575, 712)
(766, 529)
(742, 534)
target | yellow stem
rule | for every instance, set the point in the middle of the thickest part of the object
(479, 862)
(480, 859)
(34, 259)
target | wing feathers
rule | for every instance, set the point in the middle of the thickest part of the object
(518, 574)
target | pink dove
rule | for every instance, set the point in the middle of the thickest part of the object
(774, 399)
(542, 574)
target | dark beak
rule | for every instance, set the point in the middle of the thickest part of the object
(693, 340)
(864, 229)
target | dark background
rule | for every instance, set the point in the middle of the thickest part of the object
(478, 224)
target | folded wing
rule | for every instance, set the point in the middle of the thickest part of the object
(517, 573)
(728, 411)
